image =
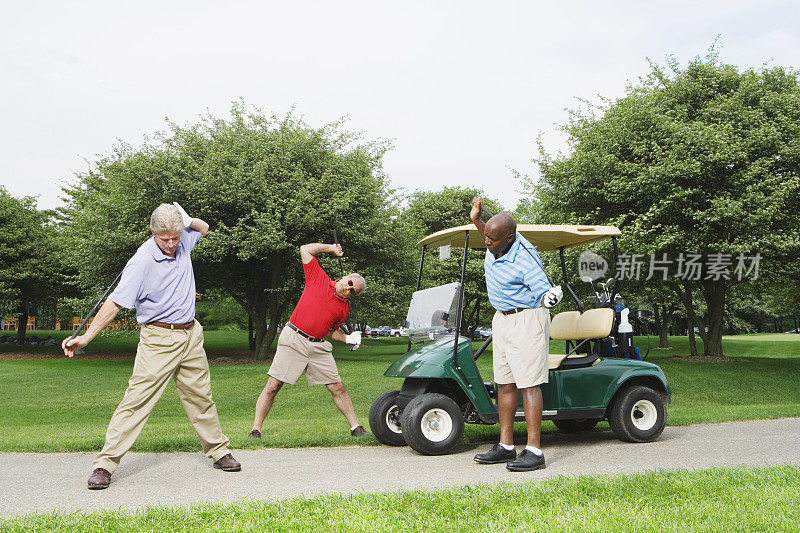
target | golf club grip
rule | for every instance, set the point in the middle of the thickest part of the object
(99, 302)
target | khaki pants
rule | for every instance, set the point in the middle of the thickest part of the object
(296, 354)
(163, 354)
(521, 342)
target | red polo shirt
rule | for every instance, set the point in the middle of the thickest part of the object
(319, 310)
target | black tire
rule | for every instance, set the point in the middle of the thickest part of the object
(578, 425)
(432, 424)
(384, 419)
(638, 414)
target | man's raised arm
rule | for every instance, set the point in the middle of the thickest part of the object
(475, 214)
(308, 251)
(192, 223)
(199, 225)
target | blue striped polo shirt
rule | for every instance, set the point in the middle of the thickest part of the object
(516, 279)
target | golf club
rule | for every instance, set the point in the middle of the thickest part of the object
(341, 275)
(99, 302)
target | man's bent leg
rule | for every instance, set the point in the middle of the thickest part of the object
(507, 407)
(532, 403)
(343, 402)
(151, 372)
(265, 400)
(193, 382)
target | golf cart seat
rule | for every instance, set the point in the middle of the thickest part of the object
(577, 326)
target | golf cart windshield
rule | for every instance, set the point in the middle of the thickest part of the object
(432, 312)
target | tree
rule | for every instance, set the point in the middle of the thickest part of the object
(703, 159)
(266, 185)
(32, 274)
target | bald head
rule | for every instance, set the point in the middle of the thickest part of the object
(499, 233)
(504, 223)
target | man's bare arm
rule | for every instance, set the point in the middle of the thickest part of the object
(337, 335)
(199, 225)
(475, 214)
(103, 317)
(308, 251)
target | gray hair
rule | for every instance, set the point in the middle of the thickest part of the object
(360, 278)
(166, 219)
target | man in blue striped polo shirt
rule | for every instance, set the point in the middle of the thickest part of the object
(520, 292)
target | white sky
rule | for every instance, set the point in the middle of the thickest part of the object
(463, 88)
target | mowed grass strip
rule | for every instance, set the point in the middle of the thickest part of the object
(739, 499)
(66, 404)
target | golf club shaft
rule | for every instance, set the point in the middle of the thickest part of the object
(99, 302)
(336, 241)
(341, 272)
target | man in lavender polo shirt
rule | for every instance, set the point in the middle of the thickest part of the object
(159, 282)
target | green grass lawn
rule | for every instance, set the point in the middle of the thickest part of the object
(65, 404)
(761, 499)
(109, 340)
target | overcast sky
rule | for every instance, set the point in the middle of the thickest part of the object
(462, 88)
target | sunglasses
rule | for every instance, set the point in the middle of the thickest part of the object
(352, 287)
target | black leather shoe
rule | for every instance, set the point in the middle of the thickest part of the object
(359, 431)
(526, 461)
(255, 434)
(99, 479)
(497, 454)
(228, 464)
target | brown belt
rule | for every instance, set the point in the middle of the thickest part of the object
(303, 333)
(188, 325)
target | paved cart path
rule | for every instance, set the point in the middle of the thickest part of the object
(48, 481)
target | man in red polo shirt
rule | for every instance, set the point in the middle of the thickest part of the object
(302, 347)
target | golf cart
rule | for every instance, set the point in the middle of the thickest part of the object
(600, 375)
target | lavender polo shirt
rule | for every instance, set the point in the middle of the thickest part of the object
(161, 288)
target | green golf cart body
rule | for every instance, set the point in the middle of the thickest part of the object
(443, 389)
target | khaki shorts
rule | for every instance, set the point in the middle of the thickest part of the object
(520, 346)
(296, 354)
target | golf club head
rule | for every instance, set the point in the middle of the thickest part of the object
(611, 282)
(355, 347)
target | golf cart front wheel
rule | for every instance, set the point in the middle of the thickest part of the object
(432, 424)
(638, 415)
(384, 419)
(577, 425)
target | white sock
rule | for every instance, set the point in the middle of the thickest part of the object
(507, 446)
(354, 427)
(537, 451)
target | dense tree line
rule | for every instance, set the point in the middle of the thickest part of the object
(702, 159)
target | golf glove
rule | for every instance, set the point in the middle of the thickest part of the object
(552, 297)
(353, 338)
(187, 220)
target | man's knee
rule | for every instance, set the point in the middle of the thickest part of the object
(273, 386)
(336, 388)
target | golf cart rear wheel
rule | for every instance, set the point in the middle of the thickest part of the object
(638, 415)
(384, 419)
(577, 425)
(432, 424)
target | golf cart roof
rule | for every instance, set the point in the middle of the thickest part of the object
(543, 236)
